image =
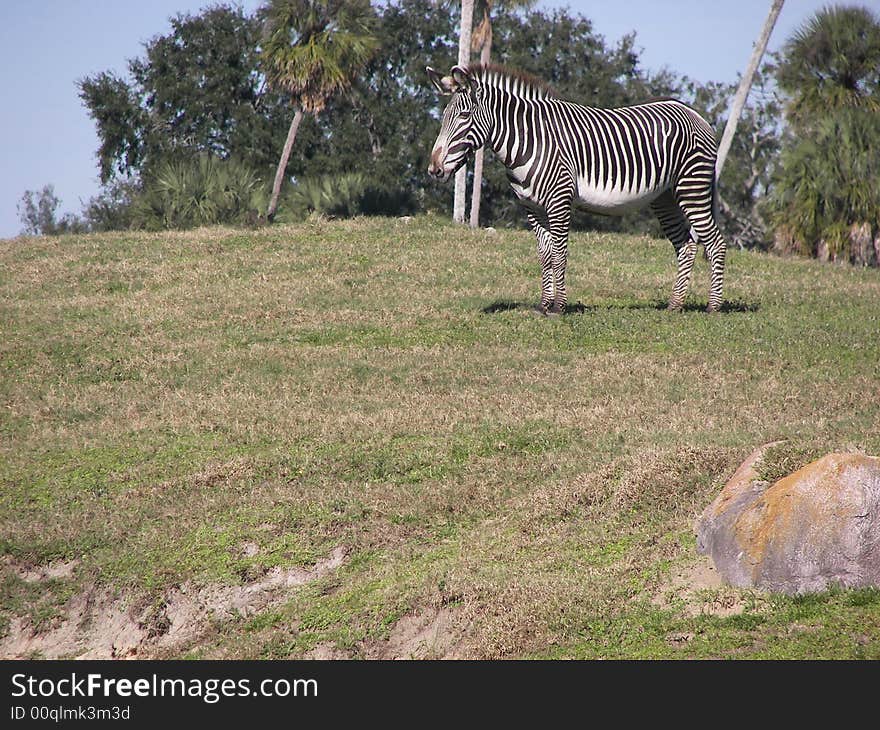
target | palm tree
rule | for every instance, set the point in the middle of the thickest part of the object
(313, 49)
(826, 196)
(464, 58)
(832, 62)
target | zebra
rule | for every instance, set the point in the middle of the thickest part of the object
(660, 153)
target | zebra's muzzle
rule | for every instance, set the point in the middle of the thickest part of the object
(441, 170)
(436, 168)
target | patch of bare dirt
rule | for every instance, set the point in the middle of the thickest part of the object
(56, 570)
(326, 650)
(94, 625)
(101, 624)
(701, 591)
(430, 634)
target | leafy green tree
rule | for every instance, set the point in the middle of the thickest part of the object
(825, 198)
(121, 123)
(196, 90)
(311, 50)
(36, 210)
(826, 195)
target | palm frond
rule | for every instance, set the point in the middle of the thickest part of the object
(314, 49)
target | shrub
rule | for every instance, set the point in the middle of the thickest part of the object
(334, 196)
(345, 196)
(196, 192)
(827, 186)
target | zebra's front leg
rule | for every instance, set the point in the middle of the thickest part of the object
(545, 257)
(559, 260)
(559, 228)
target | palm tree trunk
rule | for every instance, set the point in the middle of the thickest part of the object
(464, 57)
(742, 93)
(485, 55)
(282, 163)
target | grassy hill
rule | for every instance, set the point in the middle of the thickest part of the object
(211, 416)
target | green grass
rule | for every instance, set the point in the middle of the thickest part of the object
(832, 625)
(206, 406)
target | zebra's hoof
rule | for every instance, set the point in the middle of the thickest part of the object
(713, 309)
(674, 307)
(556, 309)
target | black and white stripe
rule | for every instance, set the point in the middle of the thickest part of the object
(661, 154)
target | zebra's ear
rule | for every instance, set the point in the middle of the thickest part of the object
(462, 78)
(440, 83)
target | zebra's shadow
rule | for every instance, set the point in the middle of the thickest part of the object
(727, 307)
(507, 305)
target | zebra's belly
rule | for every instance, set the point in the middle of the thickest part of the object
(613, 201)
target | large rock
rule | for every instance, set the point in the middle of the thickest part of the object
(811, 529)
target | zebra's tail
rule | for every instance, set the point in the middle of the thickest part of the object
(715, 203)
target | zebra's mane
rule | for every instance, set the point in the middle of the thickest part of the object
(513, 81)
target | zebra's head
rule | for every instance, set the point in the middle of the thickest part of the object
(464, 126)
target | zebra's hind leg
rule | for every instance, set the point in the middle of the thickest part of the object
(699, 211)
(677, 229)
(545, 257)
(717, 253)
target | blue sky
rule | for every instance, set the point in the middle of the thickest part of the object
(46, 135)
